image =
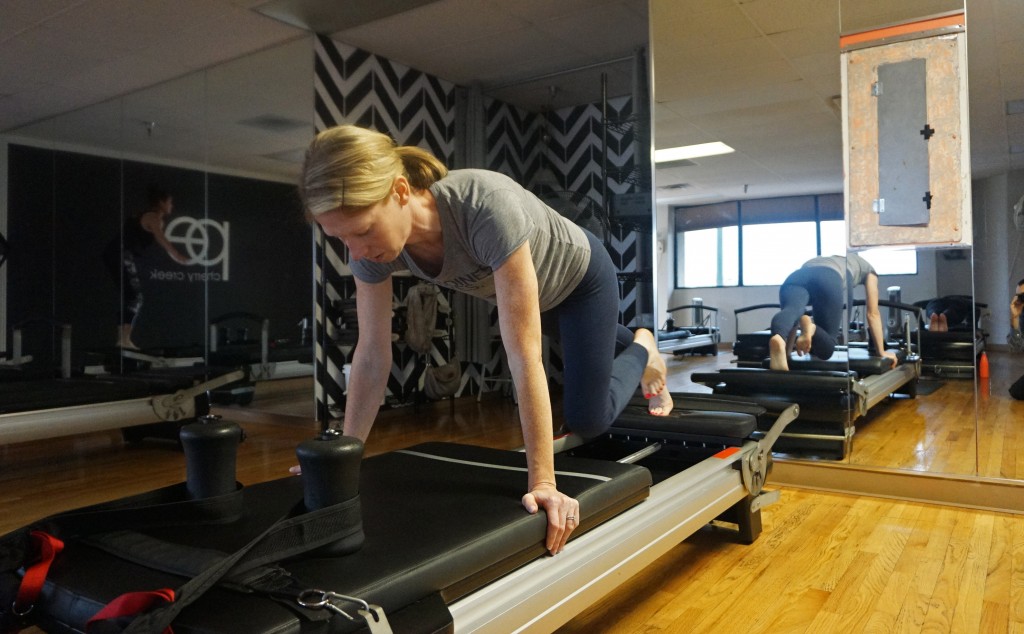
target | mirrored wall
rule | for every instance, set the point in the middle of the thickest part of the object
(770, 81)
(224, 146)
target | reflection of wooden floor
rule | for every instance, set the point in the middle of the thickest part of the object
(825, 562)
(932, 433)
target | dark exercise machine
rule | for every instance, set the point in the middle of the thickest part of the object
(832, 394)
(425, 539)
(231, 344)
(952, 353)
(701, 336)
(39, 401)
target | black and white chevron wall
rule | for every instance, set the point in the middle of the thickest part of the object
(561, 149)
(414, 108)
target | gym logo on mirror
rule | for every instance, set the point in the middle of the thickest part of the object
(206, 242)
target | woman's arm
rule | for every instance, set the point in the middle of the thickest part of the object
(371, 361)
(874, 317)
(519, 320)
(1014, 338)
(153, 223)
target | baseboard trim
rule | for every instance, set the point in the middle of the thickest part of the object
(991, 494)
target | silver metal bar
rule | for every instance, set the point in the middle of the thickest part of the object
(80, 419)
(548, 592)
(814, 436)
(636, 456)
(65, 351)
(878, 387)
(265, 342)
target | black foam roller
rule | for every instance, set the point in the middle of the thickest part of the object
(211, 447)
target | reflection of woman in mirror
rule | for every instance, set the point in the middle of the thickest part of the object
(1015, 339)
(481, 233)
(953, 312)
(139, 232)
(824, 283)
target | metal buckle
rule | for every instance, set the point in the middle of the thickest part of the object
(373, 615)
(18, 613)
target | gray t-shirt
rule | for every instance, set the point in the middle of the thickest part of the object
(851, 267)
(485, 216)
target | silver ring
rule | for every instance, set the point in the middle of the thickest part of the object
(570, 518)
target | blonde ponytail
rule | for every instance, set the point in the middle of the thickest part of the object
(352, 167)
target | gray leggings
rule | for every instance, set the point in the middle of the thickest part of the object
(603, 366)
(822, 288)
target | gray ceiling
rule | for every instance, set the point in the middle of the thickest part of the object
(760, 75)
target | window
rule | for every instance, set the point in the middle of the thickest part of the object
(833, 237)
(760, 242)
(710, 258)
(773, 251)
(707, 246)
(891, 261)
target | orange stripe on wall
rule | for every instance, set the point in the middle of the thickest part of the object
(902, 29)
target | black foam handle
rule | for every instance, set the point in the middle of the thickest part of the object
(330, 469)
(211, 448)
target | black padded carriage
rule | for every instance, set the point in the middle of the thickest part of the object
(953, 353)
(832, 394)
(439, 520)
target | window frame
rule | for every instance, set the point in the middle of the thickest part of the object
(817, 207)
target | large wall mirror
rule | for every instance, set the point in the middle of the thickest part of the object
(225, 144)
(765, 79)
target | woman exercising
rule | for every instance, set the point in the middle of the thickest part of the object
(823, 283)
(399, 208)
(138, 234)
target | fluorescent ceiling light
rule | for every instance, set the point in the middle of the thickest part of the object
(691, 151)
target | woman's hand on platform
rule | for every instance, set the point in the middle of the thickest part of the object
(891, 356)
(563, 514)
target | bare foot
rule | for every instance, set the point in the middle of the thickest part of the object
(943, 323)
(933, 322)
(655, 374)
(779, 357)
(803, 342)
(661, 404)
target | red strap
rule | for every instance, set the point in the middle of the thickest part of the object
(132, 603)
(46, 547)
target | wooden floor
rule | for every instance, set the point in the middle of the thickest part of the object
(825, 562)
(932, 433)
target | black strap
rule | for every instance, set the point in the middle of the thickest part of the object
(289, 536)
(168, 506)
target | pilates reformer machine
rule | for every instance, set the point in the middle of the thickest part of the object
(832, 394)
(38, 403)
(90, 404)
(335, 549)
(700, 337)
(266, 359)
(231, 348)
(230, 345)
(953, 353)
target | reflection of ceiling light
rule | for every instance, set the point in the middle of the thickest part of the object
(691, 151)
